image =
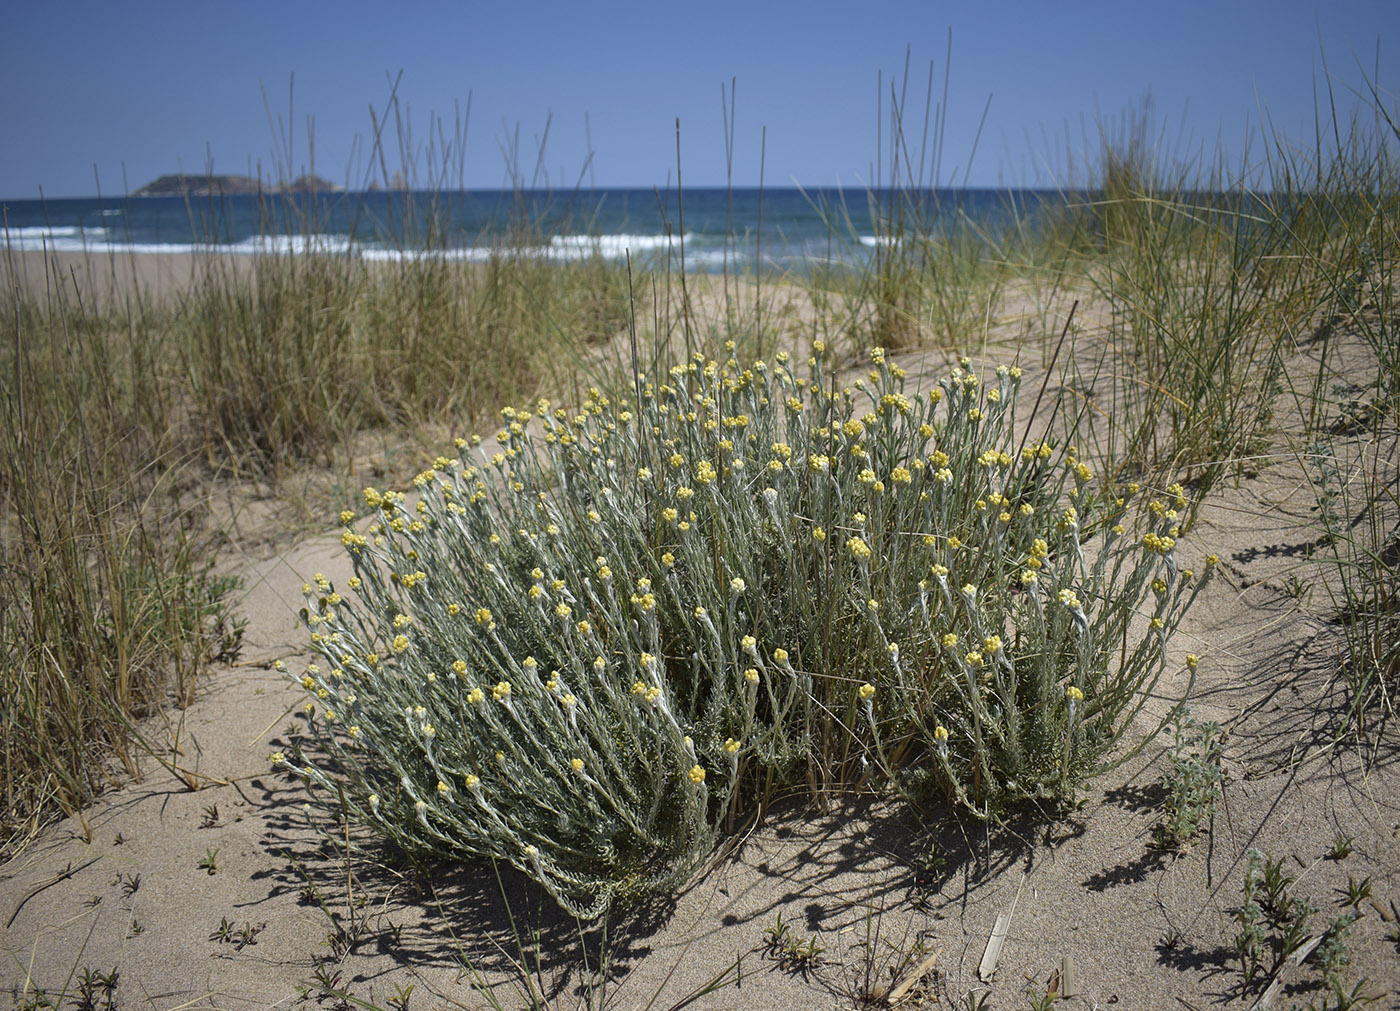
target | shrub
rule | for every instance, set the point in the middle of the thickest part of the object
(577, 653)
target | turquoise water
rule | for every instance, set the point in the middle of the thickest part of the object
(713, 229)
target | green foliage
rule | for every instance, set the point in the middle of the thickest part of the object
(110, 604)
(1192, 779)
(790, 949)
(1275, 925)
(579, 653)
(1360, 520)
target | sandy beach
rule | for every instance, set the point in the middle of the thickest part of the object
(208, 884)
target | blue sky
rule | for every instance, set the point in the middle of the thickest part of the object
(89, 88)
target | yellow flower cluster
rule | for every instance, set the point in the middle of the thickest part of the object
(1160, 545)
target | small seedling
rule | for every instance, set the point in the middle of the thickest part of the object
(209, 862)
(93, 986)
(211, 817)
(927, 869)
(1275, 884)
(976, 1000)
(136, 930)
(791, 950)
(1193, 779)
(399, 999)
(1341, 847)
(325, 977)
(1044, 1003)
(223, 932)
(246, 935)
(1332, 956)
(1357, 892)
(1300, 590)
(339, 941)
(118, 840)
(128, 884)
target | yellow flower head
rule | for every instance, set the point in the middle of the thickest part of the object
(867, 691)
(696, 774)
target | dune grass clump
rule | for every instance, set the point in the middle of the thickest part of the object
(582, 650)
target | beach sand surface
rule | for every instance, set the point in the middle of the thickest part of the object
(894, 898)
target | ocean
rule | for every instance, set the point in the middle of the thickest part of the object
(713, 229)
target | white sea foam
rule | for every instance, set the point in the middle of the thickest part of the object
(612, 247)
(73, 238)
(877, 240)
(282, 245)
(60, 238)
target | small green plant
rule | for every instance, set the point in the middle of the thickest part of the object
(1193, 779)
(790, 949)
(1041, 1002)
(1341, 847)
(326, 977)
(1357, 892)
(209, 862)
(96, 989)
(1364, 588)
(398, 1000)
(976, 999)
(1275, 925)
(1332, 957)
(246, 935)
(223, 932)
(211, 817)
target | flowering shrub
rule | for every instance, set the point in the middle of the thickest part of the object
(578, 653)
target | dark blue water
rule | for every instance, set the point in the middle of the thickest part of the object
(712, 228)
